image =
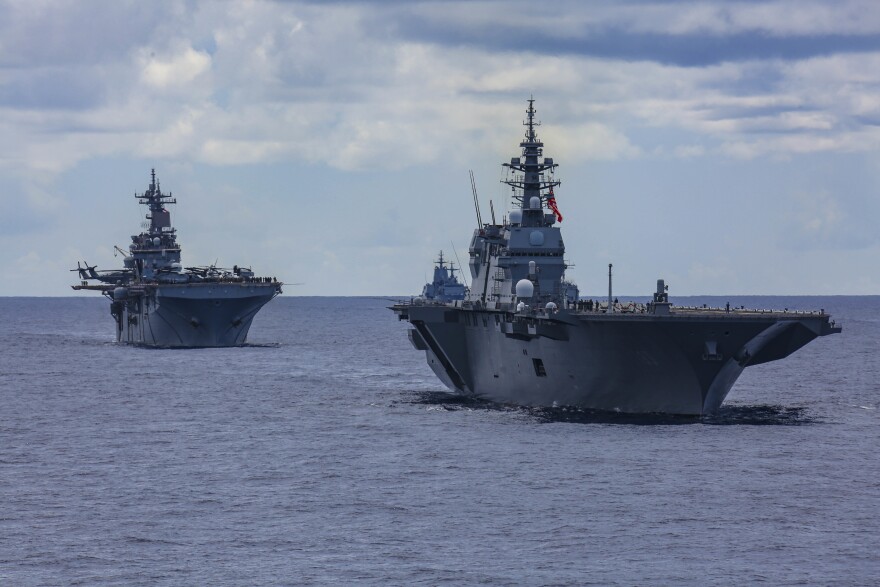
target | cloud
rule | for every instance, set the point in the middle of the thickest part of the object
(176, 70)
(238, 152)
(28, 207)
(673, 33)
(689, 151)
(588, 141)
(364, 106)
(357, 84)
(49, 89)
(821, 220)
(43, 33)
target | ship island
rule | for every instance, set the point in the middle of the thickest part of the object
(522, 335)
(157, 302)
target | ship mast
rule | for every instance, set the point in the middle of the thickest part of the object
(157, 247)
(155, 200)
(528, 181)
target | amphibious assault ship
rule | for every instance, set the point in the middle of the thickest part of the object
(445, 286)
(155, 301)
(523, 336)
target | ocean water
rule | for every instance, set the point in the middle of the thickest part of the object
(327, 453)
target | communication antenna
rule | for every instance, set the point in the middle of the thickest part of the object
(492, 208)
(610, 304)
(476, 200)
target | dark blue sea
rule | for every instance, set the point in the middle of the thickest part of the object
(327, 453)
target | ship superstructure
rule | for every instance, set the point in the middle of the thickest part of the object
(523, 336)
(444, 287)
(155, 301)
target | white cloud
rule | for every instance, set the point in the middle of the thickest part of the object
(689, 151)
(238, 152)
(176, 70)
(817, 215)
(327, 84)
(344, 88)
(823, 220)
(588, 141)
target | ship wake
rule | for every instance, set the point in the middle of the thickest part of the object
(732, 415)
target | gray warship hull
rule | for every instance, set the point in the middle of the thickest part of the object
(682, 363)
(189, 315)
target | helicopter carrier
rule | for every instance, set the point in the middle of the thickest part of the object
(523, 336)
(155, 301)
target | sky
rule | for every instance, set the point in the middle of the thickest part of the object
(729, 147)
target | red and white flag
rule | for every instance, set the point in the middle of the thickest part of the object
(551, 203)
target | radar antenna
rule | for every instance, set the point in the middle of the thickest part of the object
(531, 137)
